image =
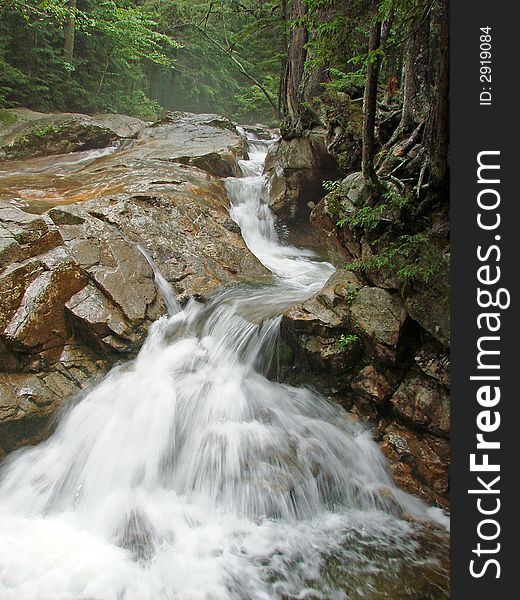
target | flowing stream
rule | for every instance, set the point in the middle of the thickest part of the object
(188, 474)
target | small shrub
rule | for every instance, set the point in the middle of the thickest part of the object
(412, 258)
(396, 200)
(44, 130)
(332, 186)
(352, 292)
(367, 218)
(347, 340)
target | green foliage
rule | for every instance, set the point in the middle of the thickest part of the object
(340, 81)
(347, 340)
(367, 218)
(114, 41)
(44, 130)
(413, 258)
(396, 200)
(332, 186)
(352, 292)
(252, 103)
(141, 56)
(205, 77)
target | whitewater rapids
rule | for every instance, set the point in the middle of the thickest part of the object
(188, 474)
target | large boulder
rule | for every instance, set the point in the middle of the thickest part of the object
(40, 134)
(430, 305)
(296, 173)
(342, 327)
(325, 143)
(419, 462)
(379, 314)
(206, 141)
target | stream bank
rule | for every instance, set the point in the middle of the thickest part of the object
(376, 339)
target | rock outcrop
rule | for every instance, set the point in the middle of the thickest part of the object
(34, 134)
(376, 338)
(77, 293)
(358, 344)
(314, 152)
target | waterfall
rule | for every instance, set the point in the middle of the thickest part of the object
(187, 474)
(165, 289)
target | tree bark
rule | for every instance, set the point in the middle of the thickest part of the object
(370, 107)
(415, 77)
(296, 57)
(70, 31)
(437, 127)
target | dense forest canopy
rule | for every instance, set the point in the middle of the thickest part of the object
(139, 56)
(246, 59)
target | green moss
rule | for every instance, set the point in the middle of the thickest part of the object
(7, 118)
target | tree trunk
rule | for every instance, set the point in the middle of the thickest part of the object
(415, 77)
(70, 27)
(370, 107)
(296, 57)
(437, 128)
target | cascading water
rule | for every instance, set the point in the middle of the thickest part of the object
(187, 474)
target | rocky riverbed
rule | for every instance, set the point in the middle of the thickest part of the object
(77, 294)
(78, 194)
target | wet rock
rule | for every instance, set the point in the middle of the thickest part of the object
(214, 163)
(355, 190)
(373, 384)
(301, 164)
(432, 312)
(429, 305)
(423, 402)
(14, 280)
(30, 402)
(419, 462)
(208, 142)
(380, 314)
(98, 322)
(23, 235)
(76, 292)
(319, 336)
(343, 246)
(403, 396)
(64, 216)
(296, 154)
(344, 324)
(325, 145)
(47, 134)
(38, 322)
(434, 361)
(129, 283)
(187, 236)
(262, 132)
